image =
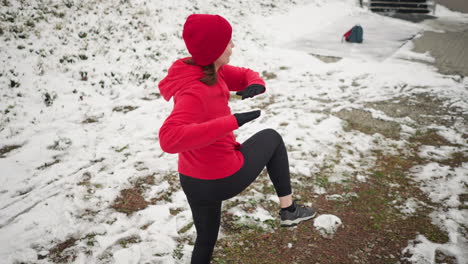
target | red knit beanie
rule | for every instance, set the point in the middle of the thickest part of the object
(206, 37)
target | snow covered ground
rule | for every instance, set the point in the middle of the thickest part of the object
(80, 113)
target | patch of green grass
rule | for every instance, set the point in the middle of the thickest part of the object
(234, 223)
(30, 23)
(185, 228)
(84, 76)
(86, 181)
(146, 76)
(166, 195)
(269, 75)
(124, 109)
(463, 200)
(322, 181)
(379, 175)
(90, 239)
(121, 149)
(82, 34)
(432, 232)
(67, 59)
(125, 242)
(152, 96)
(175, 211)
(268, 188)
(177, 253)
(58, 26)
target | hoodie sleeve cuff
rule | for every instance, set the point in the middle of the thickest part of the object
(231, 122)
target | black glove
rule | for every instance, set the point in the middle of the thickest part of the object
(251, 91)
(243, 118)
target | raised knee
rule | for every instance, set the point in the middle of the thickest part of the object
(270, 132)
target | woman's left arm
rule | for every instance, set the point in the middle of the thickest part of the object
(238, 78)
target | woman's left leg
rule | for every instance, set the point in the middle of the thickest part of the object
(207, 219)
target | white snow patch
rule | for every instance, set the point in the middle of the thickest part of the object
(442, 183)
(409, 207)
(361, 178)
(327, 225)
(129, 255)
(436, 152)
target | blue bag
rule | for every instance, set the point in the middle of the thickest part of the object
(354, 35)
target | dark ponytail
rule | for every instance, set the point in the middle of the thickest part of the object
(210, 77)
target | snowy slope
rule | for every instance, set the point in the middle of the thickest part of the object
(79, 99)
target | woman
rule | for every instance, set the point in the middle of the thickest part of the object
(212, 166)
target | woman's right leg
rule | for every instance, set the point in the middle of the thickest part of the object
(266, 148)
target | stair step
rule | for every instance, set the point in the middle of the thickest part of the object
(400, 6)
(421, 11)
(374, 3)
(400, 1)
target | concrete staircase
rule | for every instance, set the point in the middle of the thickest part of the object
(402, 6)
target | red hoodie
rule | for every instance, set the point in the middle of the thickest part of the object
(200, 126)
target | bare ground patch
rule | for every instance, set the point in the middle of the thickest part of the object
(131, 200)
(424, 109)
(363, 121)
(61, 253)
(326, 59)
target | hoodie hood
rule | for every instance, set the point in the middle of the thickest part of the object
(180, 76)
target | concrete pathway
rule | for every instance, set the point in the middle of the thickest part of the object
(455, 5)
(449, 48)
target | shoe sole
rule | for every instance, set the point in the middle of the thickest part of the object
(289, 223)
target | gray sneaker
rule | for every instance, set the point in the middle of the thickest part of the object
(301, 213)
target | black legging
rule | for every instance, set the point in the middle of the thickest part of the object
(205, 196)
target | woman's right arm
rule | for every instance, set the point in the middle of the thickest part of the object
(182, 130)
